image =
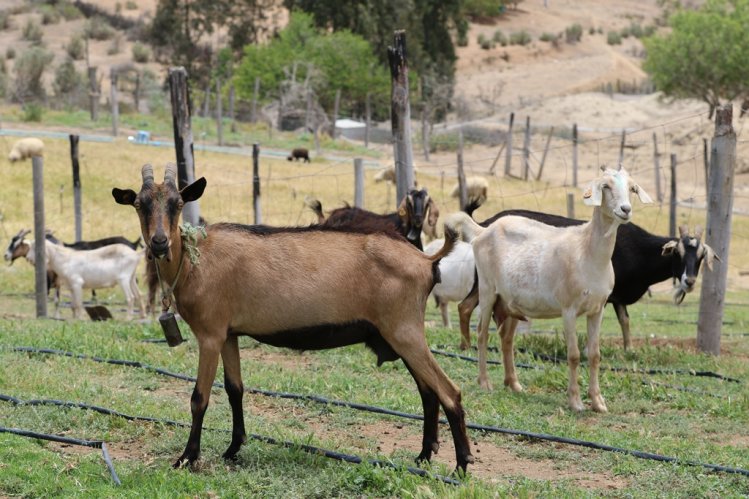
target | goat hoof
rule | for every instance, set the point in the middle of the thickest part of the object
(514, 386)
(486, 385)
(599, 405)
(464, 346)
(183, 462)
(577, 405)
(424, 457)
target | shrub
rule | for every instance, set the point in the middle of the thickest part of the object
(613, 38)
(29, 69)
(67, 80)
(116, 46)
(76, 47)
(636, 30)
(69, 11)
(131, 5)
(97, 29)
(520, 38)
(50, 15)
(462, 29)
(141, 53)
(32, 32)
(487, 44)
(10, 53)
(500, 38)
(5, 22)
(624, 32)
(32, 112)
(481, 39)
(573, 33)
(592, 31)
(547, 37)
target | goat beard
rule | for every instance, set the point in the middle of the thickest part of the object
(679, 294)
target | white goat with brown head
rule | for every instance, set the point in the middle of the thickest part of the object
(528, 269)
(306, 288)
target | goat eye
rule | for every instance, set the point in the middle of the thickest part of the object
(136, 204)
(606, 186)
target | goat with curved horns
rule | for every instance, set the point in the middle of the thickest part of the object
(527, 269)
(307, 288)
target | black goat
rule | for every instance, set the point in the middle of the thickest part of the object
(408, 221)
(299, 153)
(98, 243)
(640, 260)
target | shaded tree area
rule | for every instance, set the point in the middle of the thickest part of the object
(304, 58)
(704, 54)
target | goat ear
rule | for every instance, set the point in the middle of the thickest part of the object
(124, 196)
(668, 248)
(593, 194)
(644, 197)
(709, 256)
(193, 191)
(402, 208)
(434, 212)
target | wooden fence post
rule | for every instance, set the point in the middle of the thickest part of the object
(400, 117)
(508, 147)
(672, 201)
(76, 187)
(570, 205)
(574, 155)
(181, 123)
(40, 252)
(114, 104)
(258, 218)
(718, 231)
(358, 183)
(462, 188)
(219, 114)
(657, 167)
(527, 148)
(546, 151)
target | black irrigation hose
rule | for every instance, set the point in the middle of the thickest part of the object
(473, 359)
(97, 444)
(559, 360)
(380, 410)
(338, 456)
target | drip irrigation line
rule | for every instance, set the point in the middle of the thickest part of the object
(317, 451)
(381, 410)
(96, 444)
(474, 359)
(557, 360)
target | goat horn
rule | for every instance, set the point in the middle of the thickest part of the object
(698, 232)
(23, 232)
(683, 230)
(170, 174)
(147, 173)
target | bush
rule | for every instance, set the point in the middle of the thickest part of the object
(67, 80)
(141, 53)
(547, 37)
(574, 33)
(5, 22)
(487, 44)
(10, 53)
(32, 32)
(76, 47)
(131, 5)
(592, 31)
(462, 29)
(97, 29)
(500, 38)
(50, 15)
(520, 38)
(481, 39)
(624, 32)
(116, 46)
(29, 69)
(613, 38)
(32, 112)
(69, 11)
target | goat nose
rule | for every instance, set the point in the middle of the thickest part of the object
(159, 239)
(690, 281)
(626, 209)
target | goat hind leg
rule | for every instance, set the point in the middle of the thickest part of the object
(209, 349)
(573, 360)
(507, 334)
(234, 390)
(623, 316)
(430, 441)
(465, 309)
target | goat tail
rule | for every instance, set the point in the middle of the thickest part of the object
(316, 206)
(450, 238)
(462, 223)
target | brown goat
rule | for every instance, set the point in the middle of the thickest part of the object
(306, 288)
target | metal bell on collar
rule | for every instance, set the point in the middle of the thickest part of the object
(171, 329)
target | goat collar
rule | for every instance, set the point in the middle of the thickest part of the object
(189, 235)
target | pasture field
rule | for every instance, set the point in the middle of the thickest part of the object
(706, 423)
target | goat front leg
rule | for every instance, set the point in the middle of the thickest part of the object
(507, 334)
(594, 360)
(234, 390)
(76, 295)
(209, 349)
(465, 309)
(573, 360)
(623, 316)
(445, 314)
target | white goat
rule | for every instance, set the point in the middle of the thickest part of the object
(93, 269)
(530, 269)
(477, 188)
(457, 272)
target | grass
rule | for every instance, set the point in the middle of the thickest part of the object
(646, 412)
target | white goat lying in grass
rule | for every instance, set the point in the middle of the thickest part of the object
(457, 272)
(528, 269)
(93, 269)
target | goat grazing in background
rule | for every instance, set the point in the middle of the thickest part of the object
(456, 277)
(477, 189)
(26, 148)
(307, 288)
(527, 269)
(299, 153)
(93, 269)
(415, 209)
(640, 259)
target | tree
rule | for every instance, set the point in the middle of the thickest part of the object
(704, 55)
